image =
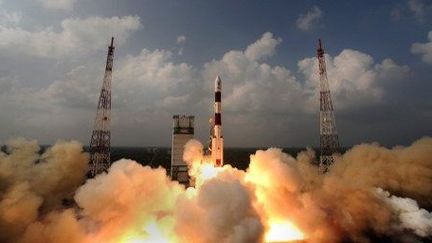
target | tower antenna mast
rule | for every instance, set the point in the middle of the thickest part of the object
(329, 141)
(100, 143)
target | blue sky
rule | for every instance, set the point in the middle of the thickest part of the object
(168, 52)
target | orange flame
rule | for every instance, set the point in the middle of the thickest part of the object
(283, 231)
(201, 170)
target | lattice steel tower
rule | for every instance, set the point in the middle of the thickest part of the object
(100, 144)
(329, 142)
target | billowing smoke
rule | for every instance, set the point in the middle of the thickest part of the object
(370, 192)
(32, 185)
(408, 213)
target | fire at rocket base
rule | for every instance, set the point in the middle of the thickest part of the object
(217, 139)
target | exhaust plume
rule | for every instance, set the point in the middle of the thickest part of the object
(369, 192)
(408, 214)
(33, 184)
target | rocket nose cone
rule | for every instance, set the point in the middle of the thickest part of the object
(218, 84)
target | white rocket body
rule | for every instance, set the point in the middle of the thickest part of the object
(217, 139)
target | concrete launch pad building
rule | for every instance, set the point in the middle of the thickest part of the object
(183, 131)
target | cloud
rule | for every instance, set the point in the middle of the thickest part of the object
(424, 49)
(396, 14)
(8, 18)
(258, 95)
(151, 86)
(146, 87)
(181, 39)
(262, 48)
(57, 4)
(248, 82)
(307, 21)
(354, 77)
(417, 9)
(76, 90)
(76, 37)
(153, 81)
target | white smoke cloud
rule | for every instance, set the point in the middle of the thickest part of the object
(57, 226)
(409, 214)
(193, 150)
(32, 184)
(133, 196)
(222, 211)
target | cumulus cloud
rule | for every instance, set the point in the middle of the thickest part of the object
(354, 77)
(355, 80)
(424, 49)
(263, 48)
(76, 37)
(308, 20)
(249, 82)
(147, 83)
(57, 4)
(417, 8)
(143, 84)
(9, 18)
(396, 14)
(181, 39)
(172, 85)
(152, 86)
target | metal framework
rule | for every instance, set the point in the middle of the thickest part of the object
(329, 142)
(100, 144)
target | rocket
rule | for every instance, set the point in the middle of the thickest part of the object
(217, 138)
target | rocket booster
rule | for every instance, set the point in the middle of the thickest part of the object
(217, 139)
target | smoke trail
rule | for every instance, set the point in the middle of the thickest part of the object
(277, 193)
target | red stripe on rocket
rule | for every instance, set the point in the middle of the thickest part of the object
(217, 138)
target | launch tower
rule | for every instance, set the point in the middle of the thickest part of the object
(183, 131)
(329, 142)
(100, 143)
